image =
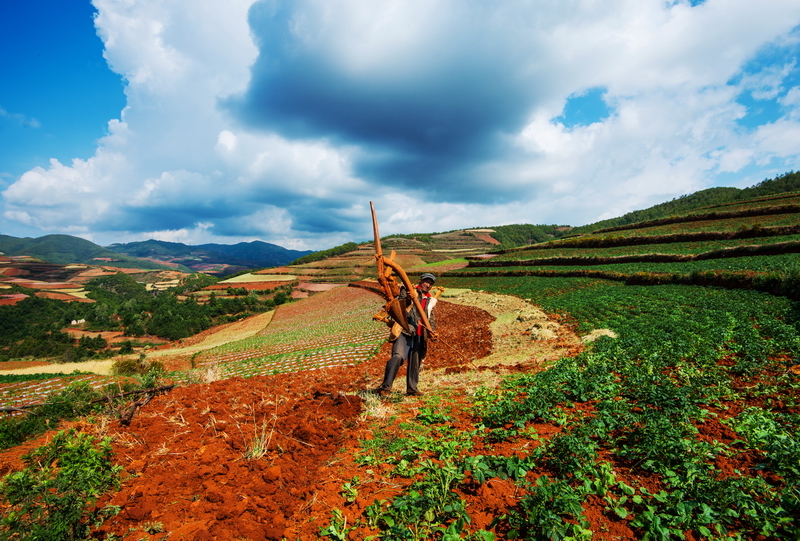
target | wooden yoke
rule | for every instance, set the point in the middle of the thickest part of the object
(391, 288)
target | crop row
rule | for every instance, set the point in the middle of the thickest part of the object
(331, 328)
(296, 361)
(747, 212)
(718, 225)
(676, 248)
(782, 199)
(786, 263)
(32, 392)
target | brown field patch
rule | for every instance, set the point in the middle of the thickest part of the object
(250, 286)
(485, 237)
(14, 365)
(62, 296)
(10, 300)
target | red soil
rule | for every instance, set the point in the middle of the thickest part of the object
(485, 237)
(249, 286)
(10, 300)
(184, 454)
(13, 365)
(112, 337)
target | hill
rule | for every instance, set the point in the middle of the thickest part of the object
(712, 197)
(212, 258)
(66, 250)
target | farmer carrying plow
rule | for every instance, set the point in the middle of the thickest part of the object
(411, 345)
(409, 311)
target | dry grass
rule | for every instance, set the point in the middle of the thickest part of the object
(513, 342)
(218, 336)
(376, 408)
(257, 278)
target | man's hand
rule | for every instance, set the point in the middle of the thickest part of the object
(433, 337)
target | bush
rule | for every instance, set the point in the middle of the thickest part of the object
(148, 373)
(51, 497)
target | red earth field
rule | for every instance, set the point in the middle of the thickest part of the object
(189, 470)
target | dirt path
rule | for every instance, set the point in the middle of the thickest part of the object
(176, 356)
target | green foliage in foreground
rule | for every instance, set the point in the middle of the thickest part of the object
(50, 498)
(630, 412)
(79, 399)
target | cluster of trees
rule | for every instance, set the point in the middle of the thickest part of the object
(32, 328)
(512, 236)
(325, 254)
(509, 236)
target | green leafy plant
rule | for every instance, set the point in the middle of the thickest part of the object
(51, 497)
(337, 529)
(350, 489)
(429, 507)
(551, 510)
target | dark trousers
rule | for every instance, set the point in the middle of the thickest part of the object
(404, 348)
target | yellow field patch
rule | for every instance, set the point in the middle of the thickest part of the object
(249, 277)
(80, 293)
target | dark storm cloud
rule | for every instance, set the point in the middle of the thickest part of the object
(421, 118)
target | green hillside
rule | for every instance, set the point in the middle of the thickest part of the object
(704, 199)
(751, 246)
(66, 250)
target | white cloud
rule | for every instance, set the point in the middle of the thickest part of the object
(20, 119)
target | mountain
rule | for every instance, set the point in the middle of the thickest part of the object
(262, 253)
(212, 258)
(66, 250)
(152, 254)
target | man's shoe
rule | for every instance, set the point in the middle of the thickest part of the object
(381, 391)
(413, 393)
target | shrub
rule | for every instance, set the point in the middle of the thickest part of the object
(136, 367)
(50, 498)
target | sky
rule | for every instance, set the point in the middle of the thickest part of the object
(202, 121)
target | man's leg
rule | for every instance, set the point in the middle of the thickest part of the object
(399, 352)
(412, 372)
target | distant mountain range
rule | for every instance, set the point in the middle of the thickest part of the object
(212, 258)
(152, 254)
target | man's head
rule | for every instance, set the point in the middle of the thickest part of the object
(426, 282)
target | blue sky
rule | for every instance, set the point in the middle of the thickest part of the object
(204, 121)
(58, 93)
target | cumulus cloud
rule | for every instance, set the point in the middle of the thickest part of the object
(280, 120)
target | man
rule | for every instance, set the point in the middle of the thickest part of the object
(411, 347)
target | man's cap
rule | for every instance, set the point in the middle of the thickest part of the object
(427, 276)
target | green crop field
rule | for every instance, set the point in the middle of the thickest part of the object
(697, 247)
(697, 376)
